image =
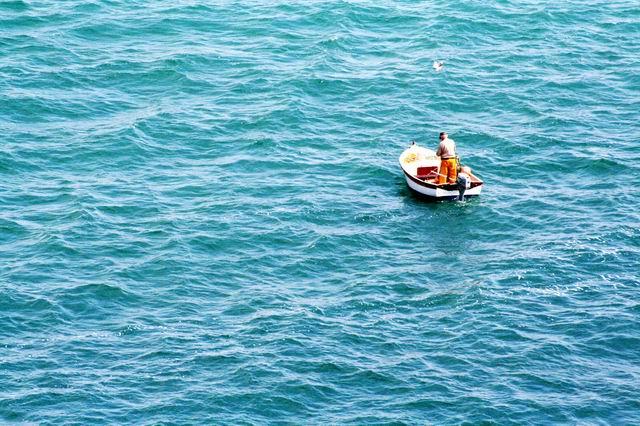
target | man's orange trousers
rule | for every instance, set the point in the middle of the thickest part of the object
(447, 171)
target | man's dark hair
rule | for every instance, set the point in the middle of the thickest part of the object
(443, 133)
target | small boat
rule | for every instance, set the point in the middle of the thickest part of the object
(420, 166)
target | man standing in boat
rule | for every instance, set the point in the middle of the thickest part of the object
(448, 165)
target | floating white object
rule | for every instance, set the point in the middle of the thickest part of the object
(438, 65)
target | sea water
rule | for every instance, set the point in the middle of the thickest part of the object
(203, 219)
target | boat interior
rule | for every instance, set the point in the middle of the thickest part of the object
(429, 174)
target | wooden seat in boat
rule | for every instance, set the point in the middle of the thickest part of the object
(429, 172)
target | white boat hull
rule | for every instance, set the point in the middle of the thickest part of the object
(440, 193)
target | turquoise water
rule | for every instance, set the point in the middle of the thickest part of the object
(202, 217)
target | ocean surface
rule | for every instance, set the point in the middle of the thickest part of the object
(203, 219)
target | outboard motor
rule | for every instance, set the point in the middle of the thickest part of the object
(463, 182)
